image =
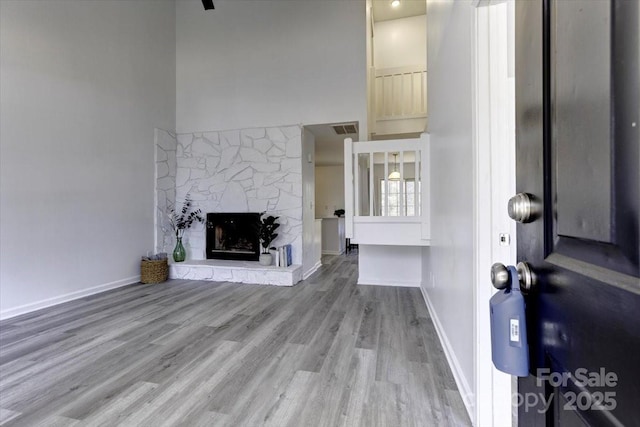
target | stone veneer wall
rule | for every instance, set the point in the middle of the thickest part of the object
(165, 154)
(244, 170)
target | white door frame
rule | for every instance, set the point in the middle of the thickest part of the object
(494, 162)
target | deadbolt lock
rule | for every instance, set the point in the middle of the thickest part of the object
(524, 207)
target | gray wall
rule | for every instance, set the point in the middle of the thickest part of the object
(270, 63)
(447, 264)
(83, 86)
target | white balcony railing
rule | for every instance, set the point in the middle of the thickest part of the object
(383, 209)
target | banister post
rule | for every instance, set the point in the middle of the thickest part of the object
(425, 184)
(348, 188)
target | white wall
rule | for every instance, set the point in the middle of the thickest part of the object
(389, 265)
(369, 63)
(400, 42)
(329, 190)
(83, 86)
(333, 236)
(447, 264)
(270, 63)
(166, 146)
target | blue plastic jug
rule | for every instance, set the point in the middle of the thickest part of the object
(509, 348)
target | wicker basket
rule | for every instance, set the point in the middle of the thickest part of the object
(154, 271)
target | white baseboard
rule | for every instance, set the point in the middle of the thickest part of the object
(468, 396)
(28, 308)
(332, 252)
(312, 270)
(374, 282)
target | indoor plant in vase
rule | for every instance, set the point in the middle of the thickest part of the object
(181, 221)
(267, 234)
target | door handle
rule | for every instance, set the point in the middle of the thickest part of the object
(507, 309)
(500, 277)
(524, 207)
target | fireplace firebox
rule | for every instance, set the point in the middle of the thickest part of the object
(233, 236)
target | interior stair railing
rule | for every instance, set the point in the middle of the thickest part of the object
(387, 191)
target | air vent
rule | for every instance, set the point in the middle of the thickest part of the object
(345, 129)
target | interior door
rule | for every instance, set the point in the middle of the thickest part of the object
(577, 138)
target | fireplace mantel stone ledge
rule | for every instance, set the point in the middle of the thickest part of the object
(235, 271)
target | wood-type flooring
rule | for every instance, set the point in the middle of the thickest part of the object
(326, 352)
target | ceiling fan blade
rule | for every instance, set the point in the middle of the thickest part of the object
(208, 4)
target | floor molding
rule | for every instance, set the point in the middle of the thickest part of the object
(374, 282)
(467, 394)
(28, 308)
(327, 252)
(312, 270)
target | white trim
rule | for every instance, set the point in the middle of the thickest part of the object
(483, 414)
(494, 180)
(372, 187)
(425, 183)
(388, 146)
(458, 375)
(312, 270)
(404, 117)
(28, 308)
(348, 188)
(387, 219)
(483, 3)
(395, 283)
(328, 252)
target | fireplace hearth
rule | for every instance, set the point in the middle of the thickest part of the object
(233, 236)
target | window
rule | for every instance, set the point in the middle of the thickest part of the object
(400, 192)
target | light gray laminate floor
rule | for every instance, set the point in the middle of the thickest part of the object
(323, 353)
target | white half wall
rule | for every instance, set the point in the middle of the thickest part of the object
(84, 84)
(390, 265)
(448, 263)
(270, 63)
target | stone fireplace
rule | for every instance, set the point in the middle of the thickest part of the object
(242, 170)
(232, 172)
(233, 236)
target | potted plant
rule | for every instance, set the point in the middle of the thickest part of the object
(267, 234)
(181, 221)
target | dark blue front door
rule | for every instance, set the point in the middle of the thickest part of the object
(577, 152)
